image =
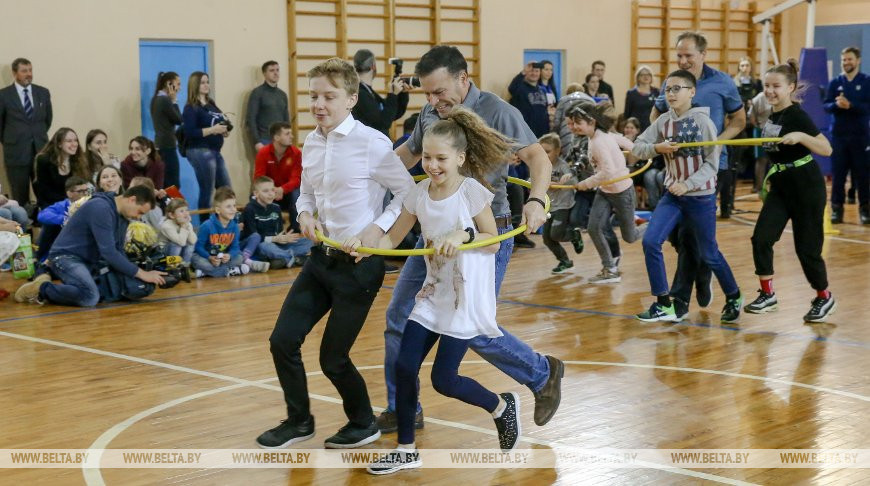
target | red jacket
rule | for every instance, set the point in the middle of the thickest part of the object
(287, 172)
(154, 170)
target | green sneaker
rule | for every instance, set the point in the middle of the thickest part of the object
(731, 311)
(658, 312)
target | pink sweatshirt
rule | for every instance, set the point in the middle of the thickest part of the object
(606, 154)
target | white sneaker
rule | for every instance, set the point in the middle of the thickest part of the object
(242, 269)
(606, 276)
(198, 274)
(259, 267)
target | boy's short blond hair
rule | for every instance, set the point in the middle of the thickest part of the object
(339, 72)
(551, 139)
(221, 194)
(258, 181)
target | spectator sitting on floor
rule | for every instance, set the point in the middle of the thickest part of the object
(263, 217)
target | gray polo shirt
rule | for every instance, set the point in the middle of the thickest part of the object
(498, 114)
(266, 106)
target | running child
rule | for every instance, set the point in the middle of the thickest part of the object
(797, 192)
(457, 300)
(690, 180)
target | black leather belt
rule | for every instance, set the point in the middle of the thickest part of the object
(334, 253)
(502, 222)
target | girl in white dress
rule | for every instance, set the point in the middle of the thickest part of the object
(457, 301)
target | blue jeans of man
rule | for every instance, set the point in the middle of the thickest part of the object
(283, 251)
(211, 173)
(507, 353)
(78, 287)
(699, 213)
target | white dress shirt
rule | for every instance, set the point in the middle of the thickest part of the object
(345, 176)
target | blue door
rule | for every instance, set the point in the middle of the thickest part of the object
(183, 58)
(554, 56)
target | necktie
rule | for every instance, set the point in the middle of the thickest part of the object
(28, 106)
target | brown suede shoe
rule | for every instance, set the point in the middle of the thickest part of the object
(388, 422)
(547, 400)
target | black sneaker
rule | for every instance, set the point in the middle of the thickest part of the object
(388, 422)
(389, 268)
(704, 289)
(508, 425)
(577, 241)
(523, 241)
(836, 214)
(731, 311)
(352, 435)
(396, 461)
(681, 309)
(548, 398)
(763, 303)
(563, 267)
(286, 433)
(821, 309)
(299, 261)
(277, 263)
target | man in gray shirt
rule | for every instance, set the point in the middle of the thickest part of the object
(443, 74)
(268, 104)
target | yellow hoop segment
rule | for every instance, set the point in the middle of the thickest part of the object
(429, 251)
(611, 181)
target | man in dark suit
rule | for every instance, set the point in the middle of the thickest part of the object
(372, 110)
(25, 115)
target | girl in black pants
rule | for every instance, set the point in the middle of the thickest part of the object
(796, 192)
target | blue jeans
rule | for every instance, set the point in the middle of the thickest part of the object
(507, 353)
(417, 341)
(185, 252)
(222, 270)
(211, 173)
(78, 287)
(285, 251)
(171, 167)
(17, 214)
(699, 212)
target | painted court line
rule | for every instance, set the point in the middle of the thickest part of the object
(240, 383)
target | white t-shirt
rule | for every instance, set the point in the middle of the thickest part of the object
(458, 295)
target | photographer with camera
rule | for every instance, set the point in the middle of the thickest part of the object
(372, 110)
(205, 127)
(89, 258)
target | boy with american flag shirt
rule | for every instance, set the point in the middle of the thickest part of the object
(690, 179)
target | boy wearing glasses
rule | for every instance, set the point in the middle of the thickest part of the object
(690, 179)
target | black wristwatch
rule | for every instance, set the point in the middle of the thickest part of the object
(537, 200)
(470, 232)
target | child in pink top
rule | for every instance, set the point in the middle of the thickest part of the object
(618, 197)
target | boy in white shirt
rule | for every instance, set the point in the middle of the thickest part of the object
(346, 170)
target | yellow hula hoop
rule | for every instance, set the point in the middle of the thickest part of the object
(429, 251)
(741, 141)
(611, 181)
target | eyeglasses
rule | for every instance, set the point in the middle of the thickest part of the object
(81, 191)
(675, 88)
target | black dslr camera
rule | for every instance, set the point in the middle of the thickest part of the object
(153, 258)
(227, 123)
(412, 81)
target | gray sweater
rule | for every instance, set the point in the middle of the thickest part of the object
(561, 198)
(266, 106)
(696, 166)
(166, 116)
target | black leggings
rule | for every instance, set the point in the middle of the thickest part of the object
(797, 194)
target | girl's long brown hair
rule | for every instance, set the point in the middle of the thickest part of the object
(485, 149)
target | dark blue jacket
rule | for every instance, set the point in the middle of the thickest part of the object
(263, 220)
(96, 231)
(854, 121)
(214, 238)
(532, 103)
(198, 117)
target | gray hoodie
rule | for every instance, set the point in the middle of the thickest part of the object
(695, 166)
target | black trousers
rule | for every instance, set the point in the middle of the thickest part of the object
(345, 290)
(557, 230)
(20, 175)
(850, 156)
(797, 194)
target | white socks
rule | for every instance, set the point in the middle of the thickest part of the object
(407, 447)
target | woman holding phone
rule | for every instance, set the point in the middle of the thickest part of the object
(166, 116)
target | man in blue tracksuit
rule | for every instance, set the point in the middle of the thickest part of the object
(848, 100)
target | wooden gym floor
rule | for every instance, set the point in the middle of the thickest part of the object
(190, 368)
